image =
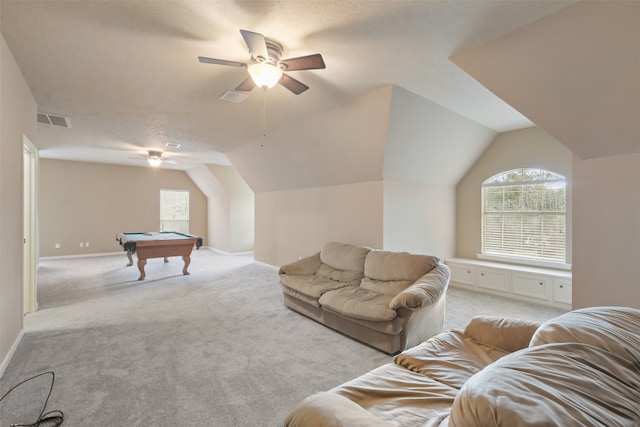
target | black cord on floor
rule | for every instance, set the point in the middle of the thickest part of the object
(49, 419)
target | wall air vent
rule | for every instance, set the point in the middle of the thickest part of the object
(233, 97)
(53, 120)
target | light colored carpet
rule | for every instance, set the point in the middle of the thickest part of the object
(216, 348)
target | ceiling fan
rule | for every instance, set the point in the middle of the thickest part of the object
(266, 68)
(155, 159)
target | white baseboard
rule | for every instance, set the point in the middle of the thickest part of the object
(84, 255)
(9, 356)
(220, 251)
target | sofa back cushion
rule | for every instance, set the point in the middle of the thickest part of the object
(614, 329)
(502, 332)
(568, 384)
(391, 272)
(343, 256)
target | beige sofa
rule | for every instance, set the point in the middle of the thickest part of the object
(389, 300)
(579, 369)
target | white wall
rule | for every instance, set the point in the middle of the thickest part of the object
(428, 143)
(428, 149)
(411, 150)
(319, 180)
(340, 146)
(296, 223)
(606, 231)
(240, 212)
(419, 218)
(17, 118)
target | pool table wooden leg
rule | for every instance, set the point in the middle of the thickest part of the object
(129, 255)
(187, 261)
(141, 264)
(166, 259)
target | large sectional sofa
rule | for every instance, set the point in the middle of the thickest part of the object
(579, 369)
(388, 300)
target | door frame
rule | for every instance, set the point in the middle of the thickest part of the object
(30, 226)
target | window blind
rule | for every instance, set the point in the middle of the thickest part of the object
(524, 215)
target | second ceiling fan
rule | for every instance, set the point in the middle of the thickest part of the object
(266, 69)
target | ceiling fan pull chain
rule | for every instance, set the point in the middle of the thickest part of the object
(264, 112)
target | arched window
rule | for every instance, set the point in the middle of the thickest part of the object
(524, 215)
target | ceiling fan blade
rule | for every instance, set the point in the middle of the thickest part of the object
(206, 60)
(293, 85)
(309, 62)
(246, 85)
(169, 161)
(256, 43)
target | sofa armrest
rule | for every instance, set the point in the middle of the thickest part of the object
(329, 409)
(425, 291)
(303, 266)
(501, 332)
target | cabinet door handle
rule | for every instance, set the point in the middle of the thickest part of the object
(561, 286)
(541, 283)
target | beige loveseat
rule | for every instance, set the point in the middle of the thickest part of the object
(579, 369)
(389, 300)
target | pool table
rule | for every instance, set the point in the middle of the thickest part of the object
(161, 244)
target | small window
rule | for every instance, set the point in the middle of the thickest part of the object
(524, 215)
(174, 210)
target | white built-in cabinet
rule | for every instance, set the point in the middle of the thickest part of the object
(539, 285)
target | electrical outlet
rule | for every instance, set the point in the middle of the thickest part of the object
(81, 245)
(57, 245)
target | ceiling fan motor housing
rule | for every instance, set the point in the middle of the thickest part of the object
(274, 49)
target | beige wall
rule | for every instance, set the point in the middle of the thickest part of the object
(343, 145)
(297, 223)
(428, 150)
(17, 118)
(411, 150)
(91, 202)
(240, 211)
(531, 147)
(606, 231)
(419, 218)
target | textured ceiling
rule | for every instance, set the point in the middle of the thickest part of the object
(126, 73)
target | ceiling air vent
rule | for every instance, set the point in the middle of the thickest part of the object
(233, 97)
(53, 120)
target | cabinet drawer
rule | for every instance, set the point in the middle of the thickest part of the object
(530, 286)
(496, 280)
(562, 291)
(461, 274)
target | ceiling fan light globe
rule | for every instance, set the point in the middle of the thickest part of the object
(154, 161)
(265, 75)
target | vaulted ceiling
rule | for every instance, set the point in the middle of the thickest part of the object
(126, 73)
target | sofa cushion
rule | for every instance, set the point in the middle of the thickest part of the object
(349, 277)
(614, 329)
(502, 332)
(359, 303)
(399, 396)
(311, 286)
(343, 256)
(391, 287)
(450, 357)
(566, 384)
(385, 266)
(326, 409)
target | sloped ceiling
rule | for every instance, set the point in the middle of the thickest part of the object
(575, 73)
(126, 72)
